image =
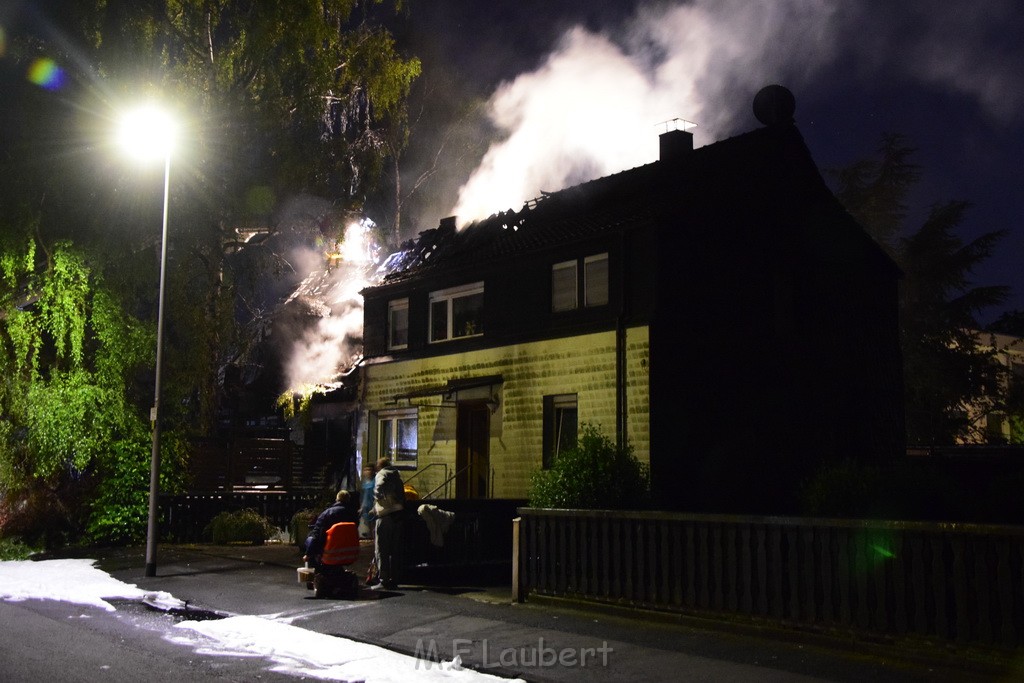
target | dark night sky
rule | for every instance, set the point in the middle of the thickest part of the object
(585, 83)
(949, 76)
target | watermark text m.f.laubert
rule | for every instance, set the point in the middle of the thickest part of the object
(539, 655)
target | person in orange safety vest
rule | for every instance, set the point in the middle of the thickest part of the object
(342, 510)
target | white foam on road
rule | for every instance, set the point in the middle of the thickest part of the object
(306, 653)
(291, 649)
(76, 581)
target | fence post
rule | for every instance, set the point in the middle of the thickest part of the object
(517, 592)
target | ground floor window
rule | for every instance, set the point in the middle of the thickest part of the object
(397, 436)
(560, 426)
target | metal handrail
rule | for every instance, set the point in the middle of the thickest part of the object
(433, 464)
(445, 482)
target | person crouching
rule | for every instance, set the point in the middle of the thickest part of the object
(341, 510)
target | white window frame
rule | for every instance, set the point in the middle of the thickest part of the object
(580, 268)
(565, 265)
(389, 447)
(555, 407)
(449, 296)
(393, 306)
(586, 285)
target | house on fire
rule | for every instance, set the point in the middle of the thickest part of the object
(716, 309)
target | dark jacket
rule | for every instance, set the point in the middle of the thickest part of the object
(337, 512)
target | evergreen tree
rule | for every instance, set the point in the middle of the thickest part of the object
(945, 371)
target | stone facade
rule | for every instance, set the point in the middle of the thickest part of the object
(583, 365)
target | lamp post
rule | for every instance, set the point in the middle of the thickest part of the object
(148, 132)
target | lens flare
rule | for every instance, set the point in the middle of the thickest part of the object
(45, 73)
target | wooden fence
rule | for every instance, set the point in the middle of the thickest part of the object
(957, 582)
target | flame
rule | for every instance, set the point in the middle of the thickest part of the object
(330, 347)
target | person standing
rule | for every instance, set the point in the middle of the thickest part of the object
(366, 515)
(389, 506)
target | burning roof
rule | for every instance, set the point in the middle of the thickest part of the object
(692, 184)
(608, 204)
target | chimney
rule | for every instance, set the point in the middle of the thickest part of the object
(675, 144)
(447, 223)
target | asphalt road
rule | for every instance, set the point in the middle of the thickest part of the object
(60, 641)
(45, 640)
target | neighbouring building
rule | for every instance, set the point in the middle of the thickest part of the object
(990, 422)
(717, 309)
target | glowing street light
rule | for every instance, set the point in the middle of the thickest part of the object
(149, 133)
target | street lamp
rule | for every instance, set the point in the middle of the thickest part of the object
(148, 133)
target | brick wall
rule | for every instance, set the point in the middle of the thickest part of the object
(582, 365)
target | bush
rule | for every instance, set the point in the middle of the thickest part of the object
(14, 549)
(842, 489)
(120, 503)
(596, 474)
(899, 490)
(242, 526)
(39, 515)
(299, 527)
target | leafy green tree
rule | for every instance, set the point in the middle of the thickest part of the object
(280, 100)
(944, 370)
(69, 353)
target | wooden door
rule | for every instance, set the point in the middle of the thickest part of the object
(472, 450)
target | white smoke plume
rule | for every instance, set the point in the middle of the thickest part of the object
(331, 346)
(593, 106)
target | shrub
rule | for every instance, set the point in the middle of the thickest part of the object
(596, 474)
(299, 527)
(120, 504)
(14, 549)
(841, 489)
(899, 490)
(39, 515)
(242, 526)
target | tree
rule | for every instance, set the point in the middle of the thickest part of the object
(945, 371)
(299, 98)
(69, 354)
(875, 190)
(281, 98)
(1011, 323)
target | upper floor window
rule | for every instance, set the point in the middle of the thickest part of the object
(457, 312)
(398, 324)
(563, 286)
(595, 280)
(567, 290)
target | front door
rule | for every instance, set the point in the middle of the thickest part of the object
(472, 455)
